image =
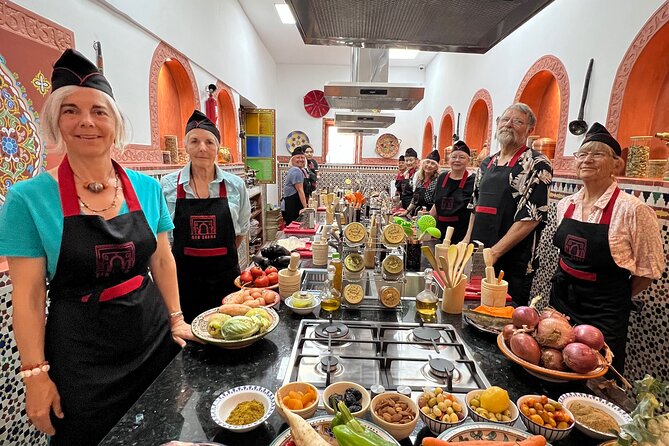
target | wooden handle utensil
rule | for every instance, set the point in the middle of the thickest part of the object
(500, 277)
(452, 259)
(469, 250)
(449, 235)
(294, 261)
(427, 252)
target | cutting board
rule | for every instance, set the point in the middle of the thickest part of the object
(306, 251)
(294, 229)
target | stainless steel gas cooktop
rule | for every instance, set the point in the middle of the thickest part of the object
(391, 354)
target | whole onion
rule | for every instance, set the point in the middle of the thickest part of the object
(554, 332)
(579, 357)
(507, 331)
(550, 312)
(589, 335)
(552, 359)
(524, 346)
(525, 316)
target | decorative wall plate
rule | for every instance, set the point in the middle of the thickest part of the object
(387, 145)
(316, 104)
(295, 139)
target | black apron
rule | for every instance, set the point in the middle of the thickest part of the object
(205, 251)
(420, 197)
(292, 203)
(107, 333)
(495, 212)
(451, 199)
(405, 188)
(588, 285)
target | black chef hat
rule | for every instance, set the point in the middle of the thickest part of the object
(299, 150)
(598, 132)
(461, 146)
(72, 68)
(410, 152)
(401, 158)
(199, 120)
(434, 156)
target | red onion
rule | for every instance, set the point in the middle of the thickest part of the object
(550, 312)
(524, 346)
(589, 335)
(554, 332)
(580, 358)
(525, 316)
(552, 359)
(507, 332)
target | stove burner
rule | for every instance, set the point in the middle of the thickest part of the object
(426, 334)
(331, 330)
(329, 363)
(443, 368)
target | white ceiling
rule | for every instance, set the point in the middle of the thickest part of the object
(285, 44)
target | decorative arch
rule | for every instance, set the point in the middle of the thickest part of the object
(446, 128)
(178, 66)
(639, 103)
(227, 120)
(545, 88)
(478, 126)
(428, 134)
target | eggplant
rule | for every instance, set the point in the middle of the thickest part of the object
(281, 262)
(261, 261)
(274, 251)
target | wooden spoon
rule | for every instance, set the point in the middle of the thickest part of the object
(444, 266)
(452, 258)
(468, 255)
(427, 252)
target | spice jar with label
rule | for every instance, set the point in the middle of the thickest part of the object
(637, 157)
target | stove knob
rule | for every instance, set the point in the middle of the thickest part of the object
(377, 389)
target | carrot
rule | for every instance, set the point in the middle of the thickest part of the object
(301, 431)
(536, 440)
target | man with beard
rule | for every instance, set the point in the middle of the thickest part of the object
(510, 201)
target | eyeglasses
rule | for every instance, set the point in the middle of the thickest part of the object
(515, 121)
(581, 156)
(454, 157)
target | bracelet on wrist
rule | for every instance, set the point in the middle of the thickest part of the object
(33, 370)
(176, 314)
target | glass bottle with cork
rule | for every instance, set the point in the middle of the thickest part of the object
(331, 296)
(427, 300)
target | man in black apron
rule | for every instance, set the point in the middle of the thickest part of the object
(401, 167)
(510, 201)
(205, 241)
(298, 184)
(453, 194)
(405, 184)
(588, 285)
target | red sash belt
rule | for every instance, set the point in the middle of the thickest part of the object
(205, 252)
(119, 290)
(448, 219)
(590, 277)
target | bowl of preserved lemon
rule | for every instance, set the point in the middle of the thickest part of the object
(492, 404)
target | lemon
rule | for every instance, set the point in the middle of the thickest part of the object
(495, 399)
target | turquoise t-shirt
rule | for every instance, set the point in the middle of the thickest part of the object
(31, 220)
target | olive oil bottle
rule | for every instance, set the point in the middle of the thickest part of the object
(331, 296)
(427, 301)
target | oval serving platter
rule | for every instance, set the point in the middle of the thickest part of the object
(284, 439)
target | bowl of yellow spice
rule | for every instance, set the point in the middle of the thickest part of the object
(243, 408)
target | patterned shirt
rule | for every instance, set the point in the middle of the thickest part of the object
(634, 232)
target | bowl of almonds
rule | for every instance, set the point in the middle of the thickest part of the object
(394, 412)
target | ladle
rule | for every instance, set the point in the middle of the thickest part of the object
(579, 126)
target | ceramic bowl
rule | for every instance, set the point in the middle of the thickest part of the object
(436, 426)
(228, 400)
(314, 308)
(282, 392)
(550, 433)
(483, 431)
(398, 431)
(340, 388)
(620, 416)
(476, 417)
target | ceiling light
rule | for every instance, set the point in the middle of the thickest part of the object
(284, 13)
(401, 53)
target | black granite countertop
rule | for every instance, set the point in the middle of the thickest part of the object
(177, 405)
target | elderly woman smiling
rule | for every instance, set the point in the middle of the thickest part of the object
(610, 245)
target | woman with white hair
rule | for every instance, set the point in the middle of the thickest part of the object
(91, 230)
(425, 183)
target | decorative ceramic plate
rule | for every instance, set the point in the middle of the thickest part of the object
(316, 104)
(387, 145)
(548, 374)
(479, 327)
(228, 400)
(611, 409)
(323, 424)
(200, 324)
(296, 139)
(483, 431)
(277, 298)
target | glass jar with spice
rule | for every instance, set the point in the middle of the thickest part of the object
(637, 157)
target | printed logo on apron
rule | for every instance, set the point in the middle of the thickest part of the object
(447, 203)
(203, 227)
(576, 247)
(114, 259)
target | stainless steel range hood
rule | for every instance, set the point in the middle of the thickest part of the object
(369, 88)
(364, 120)
(363, 132)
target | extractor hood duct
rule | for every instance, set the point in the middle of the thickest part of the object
(363, 132)
(364, 120)
(369, 88)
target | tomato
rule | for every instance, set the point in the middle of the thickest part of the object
(271, 269)
(246, 277)
(257, 271)
(261, 281)
(273, 278)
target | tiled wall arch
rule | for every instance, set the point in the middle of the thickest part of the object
(446, 130)
(478, 125)
(428, 134)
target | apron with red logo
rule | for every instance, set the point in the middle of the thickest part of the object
(451, 198)
(205, 251)
(588, 285)
(107, 333)
(405, 187)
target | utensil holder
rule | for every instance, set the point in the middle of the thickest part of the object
(453, 299)
(493, 294)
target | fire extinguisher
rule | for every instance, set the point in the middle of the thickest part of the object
(211, 109)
